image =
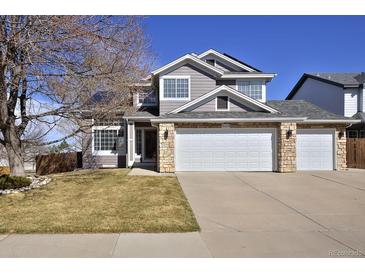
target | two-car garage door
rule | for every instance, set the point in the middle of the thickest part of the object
(230, 149)
(224, 149)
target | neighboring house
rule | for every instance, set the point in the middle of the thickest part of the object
(210, 112)
(340, 93)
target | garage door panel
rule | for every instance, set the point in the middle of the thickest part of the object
(315, 149)
(224, 149)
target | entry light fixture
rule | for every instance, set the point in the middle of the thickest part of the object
(166, 134)
(341, 134)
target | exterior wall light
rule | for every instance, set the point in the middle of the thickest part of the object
(166, 134)
(289, 133)
(341, 134)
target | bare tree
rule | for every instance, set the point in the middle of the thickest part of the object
(54, 67)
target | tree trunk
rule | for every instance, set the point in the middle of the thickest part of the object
(14, 150)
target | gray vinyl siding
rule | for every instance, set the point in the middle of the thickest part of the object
(209, 105)
(229, 83)
(220, 64)
(223, 66)
(324, 95)
(201, 83)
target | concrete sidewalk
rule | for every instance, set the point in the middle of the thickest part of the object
(124, 245)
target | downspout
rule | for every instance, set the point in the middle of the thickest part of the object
(126, 143)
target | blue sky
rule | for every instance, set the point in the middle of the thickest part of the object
(286, 45)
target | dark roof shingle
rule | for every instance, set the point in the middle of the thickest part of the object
(341, 79)
(345, 78)
(292, 109)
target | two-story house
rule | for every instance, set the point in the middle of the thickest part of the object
(340, 93)
(210, 112)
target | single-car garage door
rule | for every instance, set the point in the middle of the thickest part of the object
(315, 149)
(224, 149)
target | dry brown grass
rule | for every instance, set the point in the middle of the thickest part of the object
(99, 201)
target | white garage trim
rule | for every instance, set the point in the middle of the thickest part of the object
(318, 132)
(216, 166)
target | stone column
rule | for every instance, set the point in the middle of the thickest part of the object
(341, 163)
(287, 160)
(166, 148)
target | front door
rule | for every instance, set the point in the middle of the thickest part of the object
(150, 145)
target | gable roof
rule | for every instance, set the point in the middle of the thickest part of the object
(240, 95)
(189, 58)
(343, 80)
(295, 110)
(239, 61)
(229, 59)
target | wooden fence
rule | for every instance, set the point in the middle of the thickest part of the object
(355, 153)
(56, 163)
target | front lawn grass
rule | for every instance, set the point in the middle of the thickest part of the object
(99, 201)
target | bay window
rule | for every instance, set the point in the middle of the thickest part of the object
(252, 88)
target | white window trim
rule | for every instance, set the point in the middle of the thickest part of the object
(263, 88)
(144, 104)
(162, 98)
(104, 152)
(228, 103)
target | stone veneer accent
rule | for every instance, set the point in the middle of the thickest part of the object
(166, 148)
(286, 147)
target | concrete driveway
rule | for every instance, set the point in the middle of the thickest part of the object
(308, 214)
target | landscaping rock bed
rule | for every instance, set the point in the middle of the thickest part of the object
(37, 182)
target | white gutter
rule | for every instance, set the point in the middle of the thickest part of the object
(301, 120)
(224, 120)
(248, 75)
(331, 121)
(137, 118)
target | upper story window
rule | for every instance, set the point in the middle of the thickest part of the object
(175, 88)
(222, 103)
(146, 98)
(252, 88)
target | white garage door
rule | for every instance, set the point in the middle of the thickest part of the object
(224, 149)
(315, 149)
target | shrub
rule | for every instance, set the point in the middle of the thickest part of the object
(4, 170)
(13, 182)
